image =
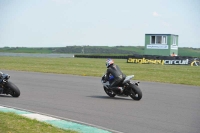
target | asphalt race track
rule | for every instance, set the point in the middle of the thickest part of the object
(164, 108)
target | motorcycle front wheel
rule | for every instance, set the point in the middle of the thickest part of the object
(13, 89)
(109, 92)
(135, 92)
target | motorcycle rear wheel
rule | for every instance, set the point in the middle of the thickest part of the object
(109, 92)
(13, 89)
(135, 92)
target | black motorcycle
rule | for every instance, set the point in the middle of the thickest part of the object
(7, 87)
(129, 89)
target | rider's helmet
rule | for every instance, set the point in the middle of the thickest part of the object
(109, 62)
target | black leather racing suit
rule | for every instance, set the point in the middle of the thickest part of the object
(1, 89)
(115, 71)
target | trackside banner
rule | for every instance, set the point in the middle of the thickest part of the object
(164, 61)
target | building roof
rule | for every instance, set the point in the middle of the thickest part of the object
(161, 34)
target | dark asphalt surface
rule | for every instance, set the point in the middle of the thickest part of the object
(164, 108)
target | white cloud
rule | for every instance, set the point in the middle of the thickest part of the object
(155, 14)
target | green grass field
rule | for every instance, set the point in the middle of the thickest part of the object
(176, 74)
(13, 123)
(189, 51)
(116, 50)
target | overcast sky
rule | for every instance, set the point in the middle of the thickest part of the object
(60, 23)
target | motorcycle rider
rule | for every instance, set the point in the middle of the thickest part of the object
(1, 89)
(114, 71)
(1, 74)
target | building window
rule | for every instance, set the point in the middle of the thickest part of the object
(153, 39)
(158, 40)
(164, 39)
(174, 40)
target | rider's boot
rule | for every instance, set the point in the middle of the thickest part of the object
(120, 89)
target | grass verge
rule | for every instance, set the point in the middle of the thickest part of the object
(13, 123)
